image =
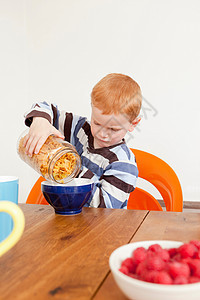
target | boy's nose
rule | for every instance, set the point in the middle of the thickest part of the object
(103, 133)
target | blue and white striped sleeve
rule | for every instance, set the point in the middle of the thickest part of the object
(63, 121)
(45, 110)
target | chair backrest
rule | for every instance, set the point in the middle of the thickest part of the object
(162, 176)
(35, 196)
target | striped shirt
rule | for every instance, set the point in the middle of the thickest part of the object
(113, 169)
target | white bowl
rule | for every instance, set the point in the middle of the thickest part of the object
(139, 290)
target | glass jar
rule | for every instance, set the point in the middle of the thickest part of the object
(56, 161)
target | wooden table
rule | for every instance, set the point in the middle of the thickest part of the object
(62, 257)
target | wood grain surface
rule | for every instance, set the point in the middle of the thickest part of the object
(65, 257)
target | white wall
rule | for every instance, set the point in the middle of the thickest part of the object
(57, 50)
(13, 89)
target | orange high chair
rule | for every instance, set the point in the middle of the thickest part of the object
(160, 175)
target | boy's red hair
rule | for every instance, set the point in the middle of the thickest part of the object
(117, 93)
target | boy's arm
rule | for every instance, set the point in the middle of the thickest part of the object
(114, 187)
(45, 119)
(41, 118)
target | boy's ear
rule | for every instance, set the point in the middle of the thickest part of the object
(134, 123)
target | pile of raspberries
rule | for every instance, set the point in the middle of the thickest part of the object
(164, 266)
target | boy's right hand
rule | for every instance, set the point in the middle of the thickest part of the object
(39, 131)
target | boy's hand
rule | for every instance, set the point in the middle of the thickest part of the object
(39, 131)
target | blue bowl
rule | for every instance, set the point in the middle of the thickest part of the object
(69, 198)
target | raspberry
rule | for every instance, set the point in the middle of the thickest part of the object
(151, 276)
(129, 263)
(163, 278)
(187, 250)
(133, 276)
(194, 279)
(155, 248)
(172, 252)
(150, 254)
(164, 255)
(124, 270)
(195, 243)
(186, 260)
(197, 254)
(139, 255)
(195, 267)
(141, 268)
(180, 280)
(177, 257)
(178, 268)
(155, 263)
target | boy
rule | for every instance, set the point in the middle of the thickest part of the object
(106, 159)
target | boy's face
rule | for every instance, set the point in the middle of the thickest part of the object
(109, 130)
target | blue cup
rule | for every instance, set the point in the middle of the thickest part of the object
(8, 192)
